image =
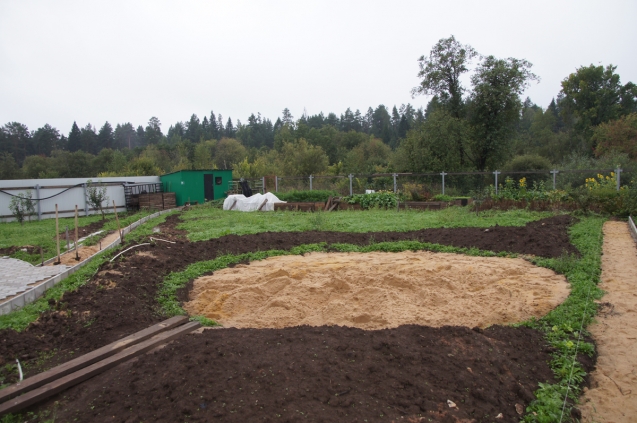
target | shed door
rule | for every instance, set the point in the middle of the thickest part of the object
(208, 188)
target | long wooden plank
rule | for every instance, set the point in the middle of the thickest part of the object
(263, 204)
(59, 385)
(88, 359)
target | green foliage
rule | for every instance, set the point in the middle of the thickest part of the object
(96, 195)
(381, 200)
(594, 95)
(437, 144)
(562, 325)
(495, 107)
(618, 135)
(306, 196)
(204, 223)
(442, 197)
(22, 206)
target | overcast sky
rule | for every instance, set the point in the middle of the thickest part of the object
(125, 61)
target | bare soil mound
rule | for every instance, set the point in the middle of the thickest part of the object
(377, 290)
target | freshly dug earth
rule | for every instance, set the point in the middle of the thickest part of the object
(321, 374)
(121, 298)
(612, 396)
(377, 290)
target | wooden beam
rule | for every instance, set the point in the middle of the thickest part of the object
(88, 359)
(72, 379)
(263, 204)
(333, 206)
(327, 205)
(233, 204)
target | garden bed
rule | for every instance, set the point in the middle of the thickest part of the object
(407, 367)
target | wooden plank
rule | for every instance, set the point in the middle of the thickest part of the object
(328, 204)
(333, 206)
(88, 359)
(263, 204)
(233, 204)
(72, 379)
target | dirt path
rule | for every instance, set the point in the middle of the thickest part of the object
(85, 252)
(612, 397)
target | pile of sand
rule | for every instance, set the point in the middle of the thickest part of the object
(377, 290)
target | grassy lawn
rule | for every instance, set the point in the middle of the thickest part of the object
(42, 233)
(204, 222)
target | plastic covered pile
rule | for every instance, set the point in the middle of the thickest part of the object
(251, 203)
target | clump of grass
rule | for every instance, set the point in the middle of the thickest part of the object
(564, 326)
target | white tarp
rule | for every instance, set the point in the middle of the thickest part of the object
(251, 203)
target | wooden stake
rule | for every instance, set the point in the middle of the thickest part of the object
(41, 255)
(121, 237)
(57, 233)
(77, 257)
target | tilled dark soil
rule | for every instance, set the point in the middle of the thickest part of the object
(322, 374)
(120, 299)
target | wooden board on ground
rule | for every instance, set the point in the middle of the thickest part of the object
(88, 359)
(72, 379)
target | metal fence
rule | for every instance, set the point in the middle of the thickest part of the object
(449, 183)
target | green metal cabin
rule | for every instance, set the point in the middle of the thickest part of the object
(197, 185)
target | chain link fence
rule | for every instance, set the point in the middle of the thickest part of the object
(421, 186)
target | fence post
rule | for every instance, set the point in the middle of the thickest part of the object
(554, 172)
(263, 184)
(311, 177)
(37, 196)
(350, 184)
(443, 181)
(496, 173)
(618, 172)
(276, 183)
(395, 184)
(85, 200)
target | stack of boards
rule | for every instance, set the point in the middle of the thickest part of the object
(157, 201)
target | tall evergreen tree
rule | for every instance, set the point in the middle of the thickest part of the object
(75, 138)
(105, 138)
(88, 139)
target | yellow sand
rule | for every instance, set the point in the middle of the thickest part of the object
(85, 252)
(612, 397)
(377, 290)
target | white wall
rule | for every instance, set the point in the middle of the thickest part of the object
(66, 201)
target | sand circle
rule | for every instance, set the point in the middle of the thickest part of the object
(377, 290)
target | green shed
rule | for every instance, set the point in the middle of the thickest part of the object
(197, 185)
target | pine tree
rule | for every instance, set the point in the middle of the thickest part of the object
(75, 138)
(105, 138)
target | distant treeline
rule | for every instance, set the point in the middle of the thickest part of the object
(483, 127)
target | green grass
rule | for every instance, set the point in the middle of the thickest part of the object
(562, 325)
(204, 222)
(38, 233)
(20, 319)
(42, 233)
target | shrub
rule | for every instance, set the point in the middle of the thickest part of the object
(96, 195)
(22, 206)
(376, 200)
